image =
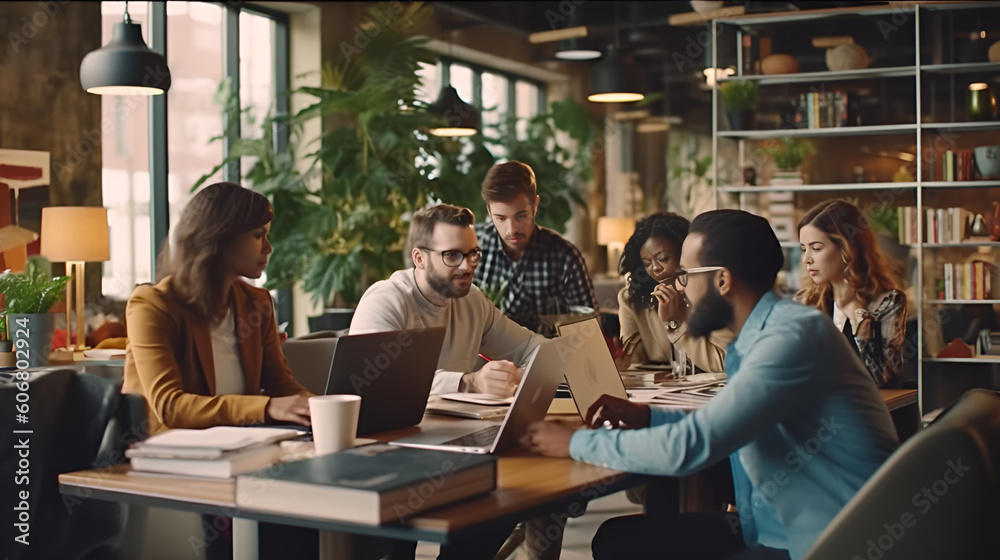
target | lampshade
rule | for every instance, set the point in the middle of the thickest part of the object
(616, 79)
(125, 66)
(75, 233)
(462, 119)
(576, 49)
(614, 230)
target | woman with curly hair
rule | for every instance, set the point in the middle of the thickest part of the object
(853, 281)
(651, 311)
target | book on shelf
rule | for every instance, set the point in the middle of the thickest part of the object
(229, 464)
(968, 281)
(371, 484)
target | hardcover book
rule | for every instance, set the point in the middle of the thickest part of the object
(371, 484)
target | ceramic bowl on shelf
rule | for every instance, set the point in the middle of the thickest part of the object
(988, 161)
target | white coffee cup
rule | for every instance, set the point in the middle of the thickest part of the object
(334, 421)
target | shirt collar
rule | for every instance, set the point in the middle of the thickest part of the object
(755, 322)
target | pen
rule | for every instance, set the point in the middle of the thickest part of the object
(485, 358)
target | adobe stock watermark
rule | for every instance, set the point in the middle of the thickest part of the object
(894, 530)
(370, 28)
(33, 25)
(417, 496)
(375, 365)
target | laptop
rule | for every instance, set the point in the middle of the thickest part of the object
(392, 372)
(592, 372)
(542, 375)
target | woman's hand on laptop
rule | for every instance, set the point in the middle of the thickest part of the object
(294, 408)
(499, 377)
(548, 438)
(613, 412)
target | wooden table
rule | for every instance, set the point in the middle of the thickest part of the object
(527, 486)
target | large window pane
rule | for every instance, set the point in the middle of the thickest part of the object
(194, 53)
(125, 173)
(461, 80)
(256, 76)
(431, 86)
(526, 105)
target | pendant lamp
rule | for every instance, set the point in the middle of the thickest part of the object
(125, 66)
(461, 118)
(615, 79)
(576, 49)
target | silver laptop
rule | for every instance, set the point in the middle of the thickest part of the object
(592, 371)
(542, 375)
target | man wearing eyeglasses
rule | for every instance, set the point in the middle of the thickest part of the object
(438, 291)
(528, 270)
(801, 422)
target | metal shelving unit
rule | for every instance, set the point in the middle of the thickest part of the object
(921, 74)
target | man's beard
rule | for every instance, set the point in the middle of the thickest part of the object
(711, 314)
(442, 285)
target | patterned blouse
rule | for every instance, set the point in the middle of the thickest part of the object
(880, 344)
(550, 277)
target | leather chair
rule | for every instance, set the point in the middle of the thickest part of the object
(78, 421)
(935, 497)
(310, 360)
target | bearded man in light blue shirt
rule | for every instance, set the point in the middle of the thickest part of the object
(800, 421)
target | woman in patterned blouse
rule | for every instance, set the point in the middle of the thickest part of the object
(852, 279)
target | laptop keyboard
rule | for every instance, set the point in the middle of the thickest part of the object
(482, 438)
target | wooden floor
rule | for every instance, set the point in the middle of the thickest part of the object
(579, 531)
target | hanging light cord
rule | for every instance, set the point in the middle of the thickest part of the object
(126, 18)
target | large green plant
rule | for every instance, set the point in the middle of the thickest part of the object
(739, 95)
(34, 290)
(341, 222)
(788, 153)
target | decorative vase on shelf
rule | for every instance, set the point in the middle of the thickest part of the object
(740, 119)
(847, 57)
(978, 227)
(981, 105)
(988, 161)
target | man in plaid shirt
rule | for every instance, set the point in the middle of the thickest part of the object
(533, 270)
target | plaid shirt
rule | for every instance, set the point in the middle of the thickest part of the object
(550, 276)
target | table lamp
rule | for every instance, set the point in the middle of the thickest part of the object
(613, 233)
(75, 235)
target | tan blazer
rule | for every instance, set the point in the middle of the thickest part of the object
(169, 359)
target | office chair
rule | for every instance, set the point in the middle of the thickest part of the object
(310, 360)
(935, 497)
(78, 421)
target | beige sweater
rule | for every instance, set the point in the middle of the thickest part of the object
(646, 339)
(474, 326)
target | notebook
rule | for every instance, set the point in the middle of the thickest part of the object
(593, 371)
(392, 372)
(542, 375)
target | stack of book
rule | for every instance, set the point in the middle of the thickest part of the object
(825, 109)
(371, 484)
(968, 281)
(219, 452)
(941, 225)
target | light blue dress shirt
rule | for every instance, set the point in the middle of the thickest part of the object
(800, 419)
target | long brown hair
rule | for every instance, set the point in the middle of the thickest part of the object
(211, 220)
(868, 270)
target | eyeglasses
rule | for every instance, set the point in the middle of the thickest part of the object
(454, 258)
(682, 275)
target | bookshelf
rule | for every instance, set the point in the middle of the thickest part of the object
(919, 74)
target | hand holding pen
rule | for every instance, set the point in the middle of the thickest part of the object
(672, 304)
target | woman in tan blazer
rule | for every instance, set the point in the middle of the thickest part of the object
(204, 348)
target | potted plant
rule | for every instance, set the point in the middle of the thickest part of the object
(740, 98)
(788, 154)
(341, 223)
(28, 296)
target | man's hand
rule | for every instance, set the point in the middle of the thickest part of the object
(618, 413)
(294, 408)
(499, 377)
(548, 438)
(672, 305)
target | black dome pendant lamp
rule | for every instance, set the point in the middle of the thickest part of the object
(461, 119)
(616, 79)
(125, 66)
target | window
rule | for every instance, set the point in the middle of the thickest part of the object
(196, 53)
(496, 94)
